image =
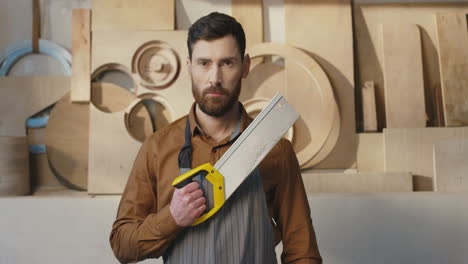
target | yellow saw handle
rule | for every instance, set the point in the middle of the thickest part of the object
(214, 177)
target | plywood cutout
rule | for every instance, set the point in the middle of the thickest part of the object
(249, 13)
(370, 152)
(324, 29)
(110, 98)
(412, 150)
(133, 15)
(22, 97)
(14, 166)
(143, 54)
(368, 107)
(368, 18)
(314, 85)
(322, 182)
(67, 141)
(453, 58)
(110, 162)
(451, 165)
(403, 76)
(41, 174)
(81, 52)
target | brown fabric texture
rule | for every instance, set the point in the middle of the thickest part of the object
(144, 227)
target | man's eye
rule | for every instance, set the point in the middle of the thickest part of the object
(228, 63)
(203, 63)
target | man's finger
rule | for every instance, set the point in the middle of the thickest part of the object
(198, 202)
(191, 187)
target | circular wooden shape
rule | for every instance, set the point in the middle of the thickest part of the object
(14, 166)
(108, 96)
(147, 115)
(328, 146)
(156, 64)
(310, 92)
(67, 135)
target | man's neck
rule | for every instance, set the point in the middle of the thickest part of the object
(218, 128)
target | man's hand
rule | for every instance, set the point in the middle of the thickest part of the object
(187, 204)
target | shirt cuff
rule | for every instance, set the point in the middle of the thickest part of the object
(166, 223)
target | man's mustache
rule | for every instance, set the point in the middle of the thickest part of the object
(215, 89)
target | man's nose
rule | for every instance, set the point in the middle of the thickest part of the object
(215, 75)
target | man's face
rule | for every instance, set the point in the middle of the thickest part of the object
(216, 70)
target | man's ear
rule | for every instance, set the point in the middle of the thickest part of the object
(189, 63)
(246, 66)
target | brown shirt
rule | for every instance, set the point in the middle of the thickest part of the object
(144, 226)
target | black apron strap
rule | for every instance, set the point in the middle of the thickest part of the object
(185, 154)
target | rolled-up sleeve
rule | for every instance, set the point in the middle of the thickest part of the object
(292, 213)
(141, 231)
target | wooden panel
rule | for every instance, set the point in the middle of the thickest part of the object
(453, 58)
(135, 18)
(412, 150)
(133, 3)
(250, 14)
(40, 173)
(21, 97)
(81, 52)
(368, 18)
(368, 107)
(308, 26)
(320, 182)
(370, 152)
(109, 167)
(14, 166)
(67, 142)
(451, 165)
(403, 76)
(109, 47)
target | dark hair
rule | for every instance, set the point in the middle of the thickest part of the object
(213, 26)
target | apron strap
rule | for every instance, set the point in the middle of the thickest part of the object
(185, 154)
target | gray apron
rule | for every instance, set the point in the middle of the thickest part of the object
(240, 232)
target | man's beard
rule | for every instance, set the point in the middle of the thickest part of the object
(216, 106)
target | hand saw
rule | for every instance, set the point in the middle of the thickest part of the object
(245, 153)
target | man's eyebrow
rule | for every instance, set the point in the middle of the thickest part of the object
(228, 58)
(203, 59)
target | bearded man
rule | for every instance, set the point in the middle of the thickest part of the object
(154, 219)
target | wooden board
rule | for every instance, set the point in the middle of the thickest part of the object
(133, 3)
(160, 17)
(403, 76)
(67, 134)
(321, 182)
(21, 97)
(109, 166)
(313, 128)
(451, 165)
(368, 18)
(40, 173)
(370, 152)
(412, 150)
(250, 14)
(330, 42)
(368, 107)
(14, 166)
(109, 47)
(453, 58)
(81, 52)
